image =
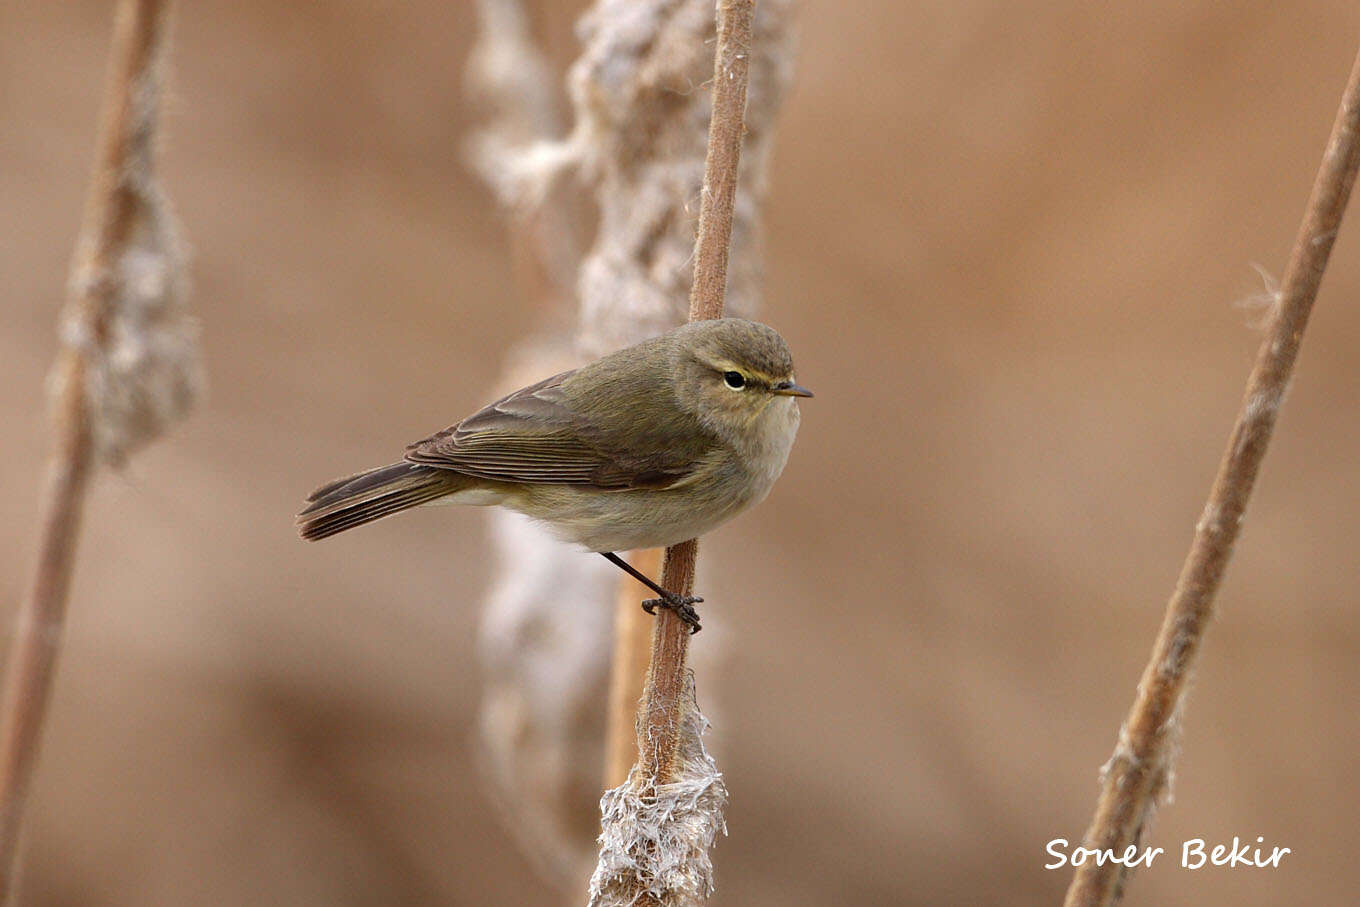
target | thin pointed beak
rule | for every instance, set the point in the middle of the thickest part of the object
(789, 389)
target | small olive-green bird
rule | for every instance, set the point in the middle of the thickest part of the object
(652, 445)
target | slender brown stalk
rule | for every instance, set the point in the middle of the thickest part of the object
(664, 689)
(663, 696)
(659, 724)
(668, 724)
(628, 673)
(38, 629)
(116, 215)
(635, 144)
(732, 61)
(1137, 774)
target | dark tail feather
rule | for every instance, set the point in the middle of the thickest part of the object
(367, 496)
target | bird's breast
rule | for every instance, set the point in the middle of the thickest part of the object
(767, 449)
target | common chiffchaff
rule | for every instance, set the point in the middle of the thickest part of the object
(652, 445)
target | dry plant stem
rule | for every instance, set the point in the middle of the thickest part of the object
(662, 710)
(659, 716)
(731, 64)
(1138, 772)
(628, 673)
(38, 628)
(109, 218)
(659, 722)
(639, 141)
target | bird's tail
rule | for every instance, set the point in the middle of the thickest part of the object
(372, 495)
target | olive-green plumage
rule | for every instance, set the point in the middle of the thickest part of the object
(649, 446)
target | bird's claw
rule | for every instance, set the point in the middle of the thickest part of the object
(681, 605)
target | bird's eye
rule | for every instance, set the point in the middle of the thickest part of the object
(734, 380)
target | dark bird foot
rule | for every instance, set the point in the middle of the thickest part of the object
(682, 605)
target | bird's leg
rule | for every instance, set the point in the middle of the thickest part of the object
(682, 605)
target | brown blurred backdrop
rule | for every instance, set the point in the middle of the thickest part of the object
(1005, 242)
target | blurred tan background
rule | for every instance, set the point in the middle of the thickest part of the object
(1005, 243)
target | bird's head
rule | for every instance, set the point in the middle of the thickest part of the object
(735, 374)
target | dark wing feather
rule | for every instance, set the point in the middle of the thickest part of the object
(534, 436)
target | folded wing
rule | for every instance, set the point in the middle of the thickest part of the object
(534, 435)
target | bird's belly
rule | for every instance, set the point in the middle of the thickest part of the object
(623, 520)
